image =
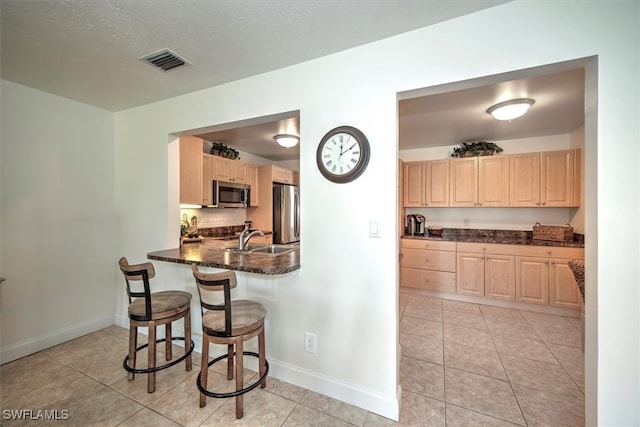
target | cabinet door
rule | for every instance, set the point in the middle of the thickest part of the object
(557, 178)
(463, 182)
(493, 181)
(470, 274)
(500, 277)
(222, 168)
(207, 178)
(240, 172)
(436, 183)
(413, 190)
(524, 179)
(255, 186)
(563, 289)
(532, 280)
(191, 170)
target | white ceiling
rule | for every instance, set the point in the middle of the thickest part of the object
(88, 50)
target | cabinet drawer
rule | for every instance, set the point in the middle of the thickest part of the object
(429, 244)
(427, 279)
(486, 248)
(429, 260)
(550, 252)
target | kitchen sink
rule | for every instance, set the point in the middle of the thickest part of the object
(255, 248)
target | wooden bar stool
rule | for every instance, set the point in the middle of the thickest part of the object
(149, 310)
(231, 323)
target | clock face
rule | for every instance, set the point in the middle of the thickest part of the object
(343, 154)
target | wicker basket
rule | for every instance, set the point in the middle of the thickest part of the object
(554, 233)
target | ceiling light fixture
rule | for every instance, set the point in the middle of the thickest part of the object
(287, 140)
(512, 109)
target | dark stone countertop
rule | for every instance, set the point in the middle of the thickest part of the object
(503, 237)
(208, 254)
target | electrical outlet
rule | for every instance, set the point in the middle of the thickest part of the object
(310, 342)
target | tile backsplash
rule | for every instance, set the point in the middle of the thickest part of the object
(215, 217)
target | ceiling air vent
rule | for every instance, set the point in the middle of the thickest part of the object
(165, 60)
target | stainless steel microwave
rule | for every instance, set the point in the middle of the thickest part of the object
(231, 195)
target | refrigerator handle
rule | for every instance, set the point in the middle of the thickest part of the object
(296, 204)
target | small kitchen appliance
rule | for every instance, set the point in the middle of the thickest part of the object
(420, 225)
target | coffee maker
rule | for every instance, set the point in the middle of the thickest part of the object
(415, 225)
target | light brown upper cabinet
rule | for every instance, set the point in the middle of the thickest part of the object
(191, 177)
(547, 179)
(479, 181)
(252, 171)
(426, 184)
(207, 179)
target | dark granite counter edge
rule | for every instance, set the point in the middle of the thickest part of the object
(503, 237)
(267, 271)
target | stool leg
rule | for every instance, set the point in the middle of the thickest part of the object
(262, 357)
(168, 343)
(230, 362)
(133, 344)
(239, 378)
(151, 376)
(204, 369)
(187, 338)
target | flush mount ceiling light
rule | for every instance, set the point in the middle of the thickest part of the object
(509, 110)
(287, 140)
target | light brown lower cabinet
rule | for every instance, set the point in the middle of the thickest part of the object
(543, 276)
(486, 270)
(427, 264)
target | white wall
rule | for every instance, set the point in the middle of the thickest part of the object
(57, 220)
(334, 291)
(501, 218)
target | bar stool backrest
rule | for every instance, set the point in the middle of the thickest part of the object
(138, 273)
(211, 283)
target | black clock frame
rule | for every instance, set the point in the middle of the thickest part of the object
(359, 168)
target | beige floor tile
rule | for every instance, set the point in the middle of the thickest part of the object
(472, 359)
(182, 403)
(423, 348)
(535, 318)
(468, 320)
(421, 410)
(544, 408)
(500, 326)
(424, 300)
(540, 375)
(28, 373)
(468, 336)
(148, 418)
(303, 416)
(422, 327)
(422, 377)
(108, 370)
(461, 417)
(427, 312)
(106, 407)
(341, 410)
(284, 389)
(502, 312)
(562, 333)
(460, 306)
(524, 347)
(489, 396)
(260, 409)
(165, 381)
(572, 360)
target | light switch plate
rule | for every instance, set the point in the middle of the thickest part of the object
(374, 228)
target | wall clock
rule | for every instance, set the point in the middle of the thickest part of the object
(343, 154)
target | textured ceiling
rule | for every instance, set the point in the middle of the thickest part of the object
(88, 50)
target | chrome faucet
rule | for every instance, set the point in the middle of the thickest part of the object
(247, 233)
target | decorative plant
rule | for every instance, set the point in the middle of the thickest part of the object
(220, 149)
(476, 148)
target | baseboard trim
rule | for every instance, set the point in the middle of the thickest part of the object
(27, 347)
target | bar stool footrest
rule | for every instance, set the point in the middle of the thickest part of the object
(157, 368)
(237, 392)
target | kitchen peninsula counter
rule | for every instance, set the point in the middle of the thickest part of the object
(503, 237)
(209, 254)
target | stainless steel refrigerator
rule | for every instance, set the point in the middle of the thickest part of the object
(286, 214)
